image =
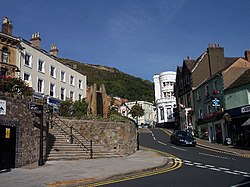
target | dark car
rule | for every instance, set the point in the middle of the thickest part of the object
(182, 138)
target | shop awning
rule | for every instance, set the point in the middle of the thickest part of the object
(247, 123)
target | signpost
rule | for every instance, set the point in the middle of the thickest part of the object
(38, 109)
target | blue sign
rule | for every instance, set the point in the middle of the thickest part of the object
(215, 102)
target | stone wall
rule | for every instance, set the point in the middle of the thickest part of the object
(27, 128)
(113, 136)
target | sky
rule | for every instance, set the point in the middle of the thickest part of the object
(138, 37)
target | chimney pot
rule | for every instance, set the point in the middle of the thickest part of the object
(7, 26)
(35, 40)
(53, 50)
(247, 55)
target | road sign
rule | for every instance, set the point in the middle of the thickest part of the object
(2, 107)
(37, 108)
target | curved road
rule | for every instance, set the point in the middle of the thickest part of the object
(200, 167)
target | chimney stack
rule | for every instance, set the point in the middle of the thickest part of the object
(247, 55)
(7, 26)
(36, 40)
(53, 50)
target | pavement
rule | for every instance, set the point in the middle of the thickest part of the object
(63, 173)
(80, 172)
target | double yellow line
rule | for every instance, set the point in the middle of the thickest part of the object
(177, 163)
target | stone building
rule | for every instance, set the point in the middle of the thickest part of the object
(9, 46)
(98, 101)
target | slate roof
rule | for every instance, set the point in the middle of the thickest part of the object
(190, 63)
(241, 81)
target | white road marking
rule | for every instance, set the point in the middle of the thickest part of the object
(152, 134)
(188, 164)
(230, 172)
(178, 148)
(197, 163)
(161, 143)
(226, 169)
(241, 172)
(210, 166)
(237, 185)
(215, 169)
(215, 156)
(199, 166)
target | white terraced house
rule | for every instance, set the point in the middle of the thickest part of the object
(42, 70)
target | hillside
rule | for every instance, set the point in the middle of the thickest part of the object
(117, 83)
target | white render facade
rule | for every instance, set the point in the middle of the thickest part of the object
(47, 76)
(164, 97)
(149, 112)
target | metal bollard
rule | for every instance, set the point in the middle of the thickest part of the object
(91, 149)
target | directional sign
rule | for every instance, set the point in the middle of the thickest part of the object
(37, 108)
(2, 107)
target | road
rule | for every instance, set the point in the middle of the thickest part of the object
(200, 167)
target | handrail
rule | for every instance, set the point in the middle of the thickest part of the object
(73, 136)
(71, 127)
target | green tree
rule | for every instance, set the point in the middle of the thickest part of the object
(136, 112)
(69, 108)
(14, 85)
(65, 108)
(80, 108)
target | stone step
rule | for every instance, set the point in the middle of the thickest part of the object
(67, 157)
(66, 141)
(82, 156)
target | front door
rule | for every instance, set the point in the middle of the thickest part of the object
(7, 146)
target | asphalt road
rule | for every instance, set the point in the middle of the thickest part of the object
(200, 167)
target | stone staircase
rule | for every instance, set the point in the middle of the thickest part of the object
(62, 147)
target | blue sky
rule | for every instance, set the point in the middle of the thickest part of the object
(138, 37)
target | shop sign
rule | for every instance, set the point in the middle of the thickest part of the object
(245, 109)
(2, 107)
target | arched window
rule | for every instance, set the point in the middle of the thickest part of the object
(5, 55)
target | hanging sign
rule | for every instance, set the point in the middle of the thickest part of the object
(2, 107)
(7, 133)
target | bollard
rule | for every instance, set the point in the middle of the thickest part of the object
(71, 136)
(91, 149)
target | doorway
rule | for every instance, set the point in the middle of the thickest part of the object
(7, 146)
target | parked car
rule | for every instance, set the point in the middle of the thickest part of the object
(182, 138)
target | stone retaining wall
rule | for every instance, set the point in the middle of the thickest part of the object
(27, 128)
(114, 136)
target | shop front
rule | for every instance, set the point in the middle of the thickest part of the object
(214, 131)
(239, 126)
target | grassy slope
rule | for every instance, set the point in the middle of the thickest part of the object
(116, 82)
